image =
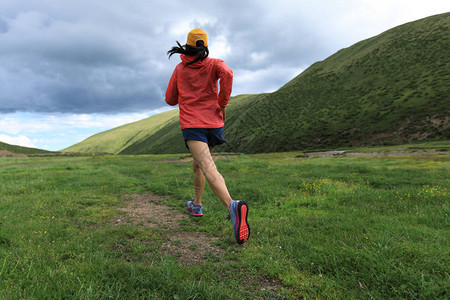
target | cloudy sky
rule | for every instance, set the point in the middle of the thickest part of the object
(73, 68)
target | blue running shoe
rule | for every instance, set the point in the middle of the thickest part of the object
(196, 210)
(238, 215)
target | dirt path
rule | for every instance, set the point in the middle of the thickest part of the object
(150, 210)
(214, 156)
(189, 247)
(6, 153)
(361, 154)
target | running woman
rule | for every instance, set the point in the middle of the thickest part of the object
(194, 87)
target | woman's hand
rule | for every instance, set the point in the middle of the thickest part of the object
(223, 113)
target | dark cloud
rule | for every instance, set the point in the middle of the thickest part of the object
(3, 26)
(49, 64)
(110, 56)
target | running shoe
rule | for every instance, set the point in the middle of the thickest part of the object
(238, 215)
(196, 210)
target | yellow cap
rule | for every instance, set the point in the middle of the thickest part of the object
(195, 35)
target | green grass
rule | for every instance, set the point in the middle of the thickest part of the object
(349, 227)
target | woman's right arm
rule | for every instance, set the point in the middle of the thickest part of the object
(223, 113)
(226, 81)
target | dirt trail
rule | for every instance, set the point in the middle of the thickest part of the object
(189, 247)
(6, 153)
(214, 156)
(361, 154)
(150, 210)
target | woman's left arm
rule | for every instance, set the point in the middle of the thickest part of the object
(172, 90)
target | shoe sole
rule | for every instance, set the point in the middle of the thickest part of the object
(193, 213)
(242, 232)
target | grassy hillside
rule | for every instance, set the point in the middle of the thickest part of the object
(21, 150)
(392, 88)
(389, 89)
(117, 139)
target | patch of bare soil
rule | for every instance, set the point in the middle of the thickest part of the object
(189, 247)
(351, 153)
(215, 157)
(6, 153)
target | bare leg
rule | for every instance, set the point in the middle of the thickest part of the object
(199, 183)
(203, 159)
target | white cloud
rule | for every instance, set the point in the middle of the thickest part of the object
(20, 140)
(33, 122)
(100, 121)
(58, 131)
(15, 124)
(258, 58)
(219, 47)
(269, 78)
(361, 19)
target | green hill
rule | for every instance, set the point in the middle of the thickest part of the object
(118, 139)
(21, 150)
(392, 88)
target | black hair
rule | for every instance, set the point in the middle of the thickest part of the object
(201, 51)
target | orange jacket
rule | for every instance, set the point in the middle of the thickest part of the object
(194, 89)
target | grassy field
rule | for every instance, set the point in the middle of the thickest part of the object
(338, 227)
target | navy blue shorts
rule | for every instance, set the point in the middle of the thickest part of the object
(211, 136)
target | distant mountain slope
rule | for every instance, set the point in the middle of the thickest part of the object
(391, 88)
(21, 150)
(117, 139)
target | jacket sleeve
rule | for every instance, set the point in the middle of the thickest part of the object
(225, 75)
(172, 90)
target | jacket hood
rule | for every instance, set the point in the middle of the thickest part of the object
(187, 59)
